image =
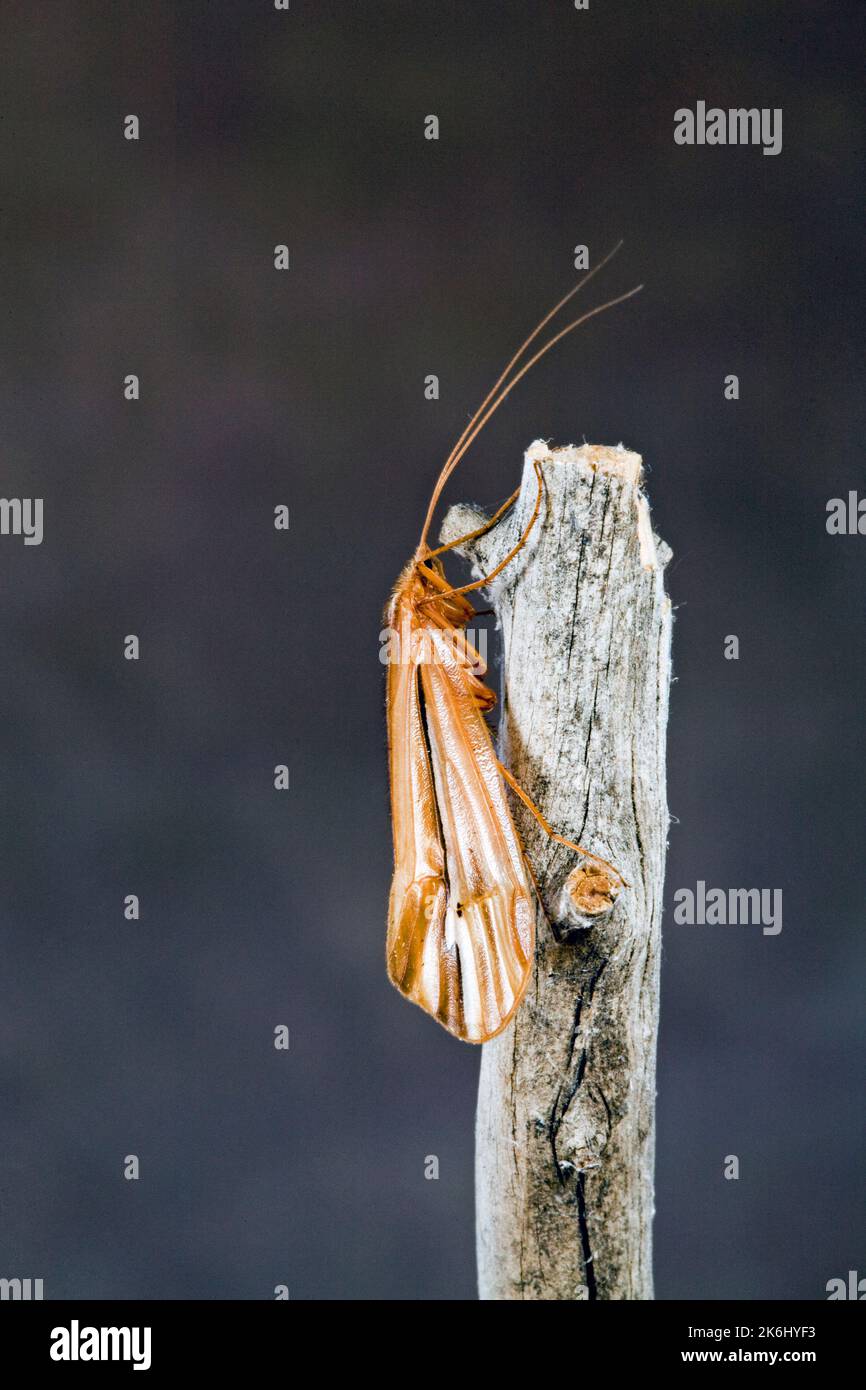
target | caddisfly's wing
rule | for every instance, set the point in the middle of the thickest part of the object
(418, 891)
(461, 929)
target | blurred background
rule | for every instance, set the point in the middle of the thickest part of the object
(258, 647)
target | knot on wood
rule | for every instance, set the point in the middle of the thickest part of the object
(588, 895)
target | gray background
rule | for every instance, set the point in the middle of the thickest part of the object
(408, 257)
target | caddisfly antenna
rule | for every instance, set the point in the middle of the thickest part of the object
(473, 427)
(482, 583)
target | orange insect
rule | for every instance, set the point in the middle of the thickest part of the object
(461, 918)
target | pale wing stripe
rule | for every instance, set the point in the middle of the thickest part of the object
(474, 779)
(484, 868)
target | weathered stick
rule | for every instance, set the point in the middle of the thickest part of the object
(565, 1126)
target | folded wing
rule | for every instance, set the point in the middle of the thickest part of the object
(461, 919)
